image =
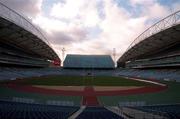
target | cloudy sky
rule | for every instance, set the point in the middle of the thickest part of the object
(93, 26)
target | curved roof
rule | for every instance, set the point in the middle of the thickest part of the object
(161, 35)
(17, 30)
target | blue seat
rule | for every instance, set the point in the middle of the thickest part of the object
(97, 113)
(15, 110)
(170, 111)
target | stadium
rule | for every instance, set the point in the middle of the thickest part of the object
(144, 85)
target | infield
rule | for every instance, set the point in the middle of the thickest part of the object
(82, 81)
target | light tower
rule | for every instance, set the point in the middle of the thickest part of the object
(63, 54)
(114, 56)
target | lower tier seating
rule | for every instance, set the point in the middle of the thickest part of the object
(169, 111)
(16, 110)
(98, 113)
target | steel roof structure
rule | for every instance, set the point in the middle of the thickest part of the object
(17, 30)
(159, 36)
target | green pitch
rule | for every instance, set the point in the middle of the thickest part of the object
(83, 81)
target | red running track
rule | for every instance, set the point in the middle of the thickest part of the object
(90, 99)
(89, 95)
(142, 90)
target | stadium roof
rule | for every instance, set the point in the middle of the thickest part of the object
(15, 29)
(160, 36)
(89, 61)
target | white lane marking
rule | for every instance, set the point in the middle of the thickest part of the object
(148, 81)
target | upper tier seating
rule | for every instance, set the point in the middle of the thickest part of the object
(13, 55)
(155, 62)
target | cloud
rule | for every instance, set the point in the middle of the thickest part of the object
(50, 24)
(64, 38)
(59, 32)
(68, 9)
(78, 11)
(119, 28)
(28, 8)
(142, 2)
(69, 24)
(59, 38)
(156, 11)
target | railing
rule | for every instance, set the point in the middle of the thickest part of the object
(19, 20)
(165, 23)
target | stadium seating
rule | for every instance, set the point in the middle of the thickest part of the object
(88, 62)
(169, 111)
(98, 113)
(160, 74)
(25, 52)
(15, 110)
(172, 60)
(16, 56)
(13, 73)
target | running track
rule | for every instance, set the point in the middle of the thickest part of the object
(89, 95)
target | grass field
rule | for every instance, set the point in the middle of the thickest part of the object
(83, 81)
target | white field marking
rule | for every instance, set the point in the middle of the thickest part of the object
(77, 113)
(148, 81)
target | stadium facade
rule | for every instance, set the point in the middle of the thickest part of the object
(156, 47)
(22, 43)
(88, 62)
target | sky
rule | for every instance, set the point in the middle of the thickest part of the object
(93, 26)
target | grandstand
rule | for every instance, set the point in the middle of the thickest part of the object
(155, 53)
(156, 47)
(89, 62)
(22, 43)
(160, 74)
